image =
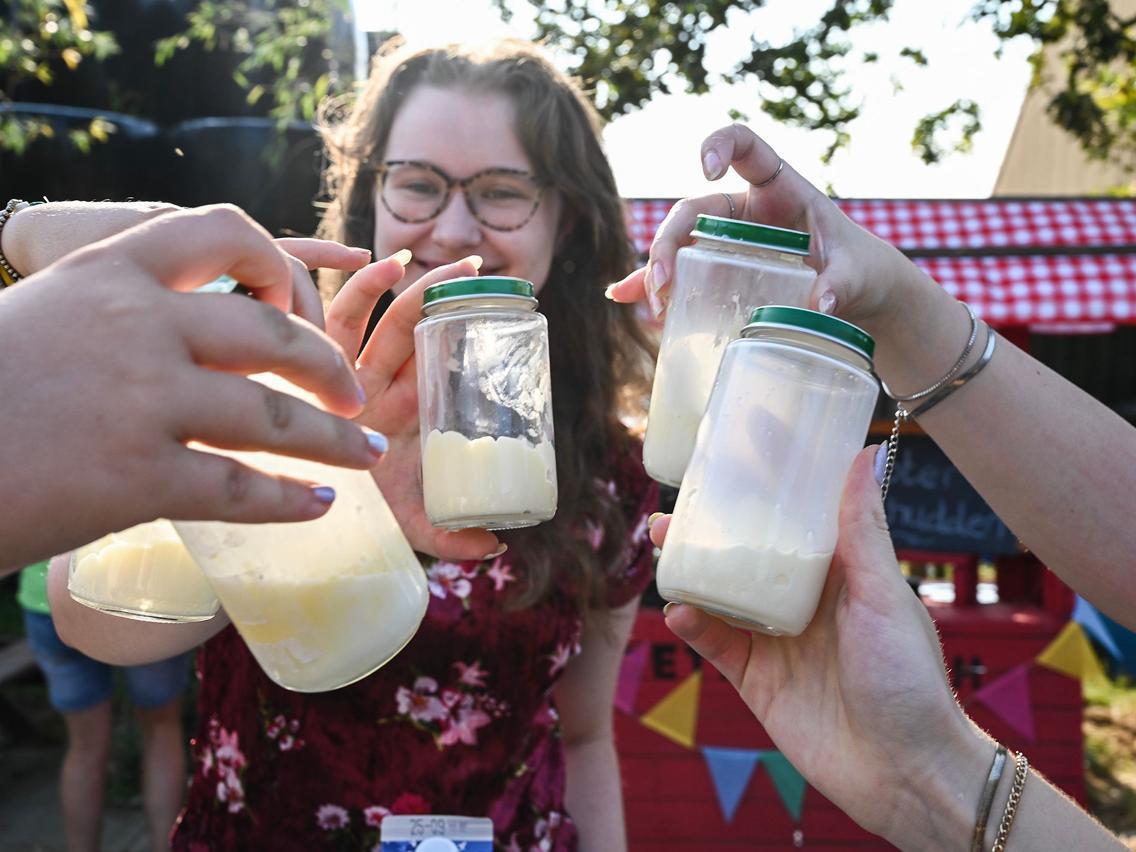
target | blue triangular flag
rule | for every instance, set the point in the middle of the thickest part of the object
(789, 782)
(731, 769)
(1085, 614)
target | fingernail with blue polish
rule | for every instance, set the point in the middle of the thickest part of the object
(324, 493)
(361, 394)
(377, 441)
(880, 465)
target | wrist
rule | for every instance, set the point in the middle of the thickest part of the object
(938, 801)
(919, 341)
(14, 266)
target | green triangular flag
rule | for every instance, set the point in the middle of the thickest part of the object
(790, 784)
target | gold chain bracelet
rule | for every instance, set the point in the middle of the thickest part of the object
(1021, 769)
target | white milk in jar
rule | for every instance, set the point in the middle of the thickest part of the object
(485, 405)
(755, 523)
(145, 573)
(319, 603)
(512, 476)
(732, 268)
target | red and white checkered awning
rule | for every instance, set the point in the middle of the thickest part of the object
(1049, 262)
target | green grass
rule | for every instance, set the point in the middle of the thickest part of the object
(1110, 755)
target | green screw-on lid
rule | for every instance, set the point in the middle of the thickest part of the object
(825, 325)
(490, 285)
(781, 239)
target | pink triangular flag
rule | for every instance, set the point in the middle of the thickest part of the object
(630, 676)
(1009, 697)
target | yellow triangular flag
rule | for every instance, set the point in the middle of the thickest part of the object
(1070, 653)
(676, 716)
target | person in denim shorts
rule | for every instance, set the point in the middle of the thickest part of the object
(81, 689)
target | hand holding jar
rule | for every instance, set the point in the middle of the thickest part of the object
(387, 372)
(851, 701)
(861, 705)
(860, 278)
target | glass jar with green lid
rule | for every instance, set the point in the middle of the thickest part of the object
(485, 405)
(755, 524)
(731, 268)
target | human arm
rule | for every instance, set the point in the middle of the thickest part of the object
(104, 385)
(37, 236)
(585, 696)
(116, 640)
(1056, 465)
(861, 705)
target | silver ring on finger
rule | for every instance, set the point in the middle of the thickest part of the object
(733, 208)
(772, 177)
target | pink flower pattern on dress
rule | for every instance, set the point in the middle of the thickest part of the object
(501, 574)
(283, 732)
(544, 834)
(446, 578)
(471, 674)
(222, 757)
(332, 817)
(464, 724)
(373, 815)
(559, 658)
(565, 651)
(455, 714)
(421, 704)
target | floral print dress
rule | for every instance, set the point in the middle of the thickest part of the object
(462, 721)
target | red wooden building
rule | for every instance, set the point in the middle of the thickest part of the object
(1056, 276)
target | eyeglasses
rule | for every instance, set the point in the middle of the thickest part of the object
(501, 199)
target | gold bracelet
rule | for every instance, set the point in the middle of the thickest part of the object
(986, 801)
(8, 274)
(1021, 768)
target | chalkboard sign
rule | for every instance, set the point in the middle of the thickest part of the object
(931, 506)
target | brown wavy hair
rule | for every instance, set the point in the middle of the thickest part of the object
(601, 358)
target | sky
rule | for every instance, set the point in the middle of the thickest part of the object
(654, 151)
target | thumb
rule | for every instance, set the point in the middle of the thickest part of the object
(833, 290)
(864, 547)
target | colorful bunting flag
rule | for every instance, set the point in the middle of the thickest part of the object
(630, 676)
(1070, 653)
(676, 716)
(790, 784)
(1009, 697)
(1125, 640)
(1085, 614)
(730, 769)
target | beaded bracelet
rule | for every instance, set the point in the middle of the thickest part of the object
(8, 274)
